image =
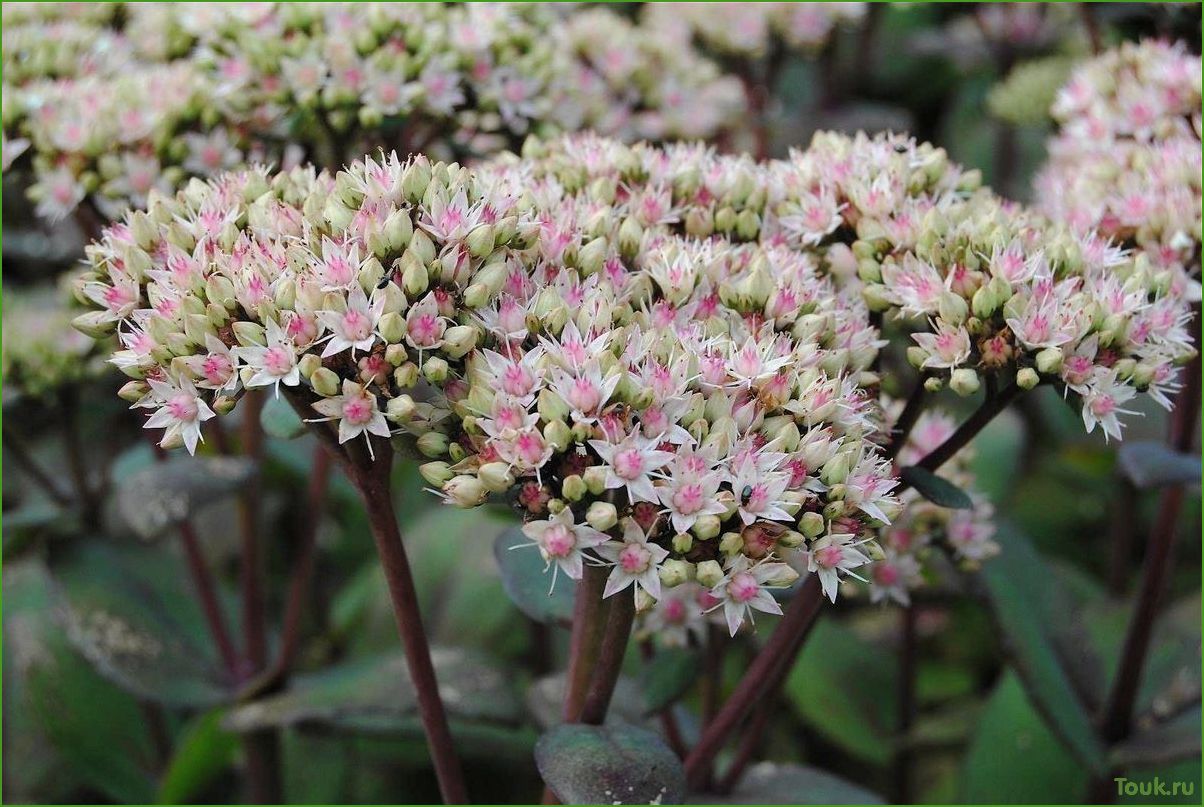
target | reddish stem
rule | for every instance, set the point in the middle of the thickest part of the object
(586, 637)
(610, 659)
(254, 619)
(768, 669)
(373, 484)
(207, 594)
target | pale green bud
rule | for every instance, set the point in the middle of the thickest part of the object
(309, 364)
(325, 382)
(433, 444)
(458, 340)
(964, 381)
(132, 391)
(249, 333)
(602, 516)
(464, 491)
(1027, 378)
(706, 527)
(811, 524)
(573, 488)
(435, 370)
(595, 479)
(731, 543)
(835, 470)
(674, 572)
(709, 573)
(392, 327)
(406, 375)
(400, 409)
(558, 435)
(496, 476)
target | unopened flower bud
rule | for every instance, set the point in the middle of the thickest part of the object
(406, 375)
(458, 340)
(392, 327)
(96, 324)
(1027, 378)
(573, 488)
(464, 491)
(435, 370)
(835, 470)
(709, 573)
(1049, 360)
(682, 543)
(595, 479)
(558, 435)
(731, 543)
(436, 473)
(674, 572)
(249, 334)
(433, 444)
(309, 364)
(224, 404)
(325, 382)
(964, 381)
(811, 524)
(601, 516)
(706, 527)
(133, 391)
(400, 409)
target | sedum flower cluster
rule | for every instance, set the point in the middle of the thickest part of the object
(674, 409)
(187, 89)
(41, 351)
(750, 30)
(1126, 161)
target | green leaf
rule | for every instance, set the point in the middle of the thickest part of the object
(616, 764)
(527, 584)
(1014, 758)
(1151, 464)
(202, 752)
(788, 783)
(460, 590)
(545, 699)
(844, 687)
(936, 489)
(279, 420)
(126, 612)
(1021, 602)
(376, 695)
(166, 493)
(667, 676)
(96, 731)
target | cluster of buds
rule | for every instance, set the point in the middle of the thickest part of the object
(115, 139)
(750, 30)
(1126, 161)
(201, 88)
(994, 293)
(42, 352)
(637, 398)
(997, 295)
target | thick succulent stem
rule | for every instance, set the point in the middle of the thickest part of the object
(589, 624)
(610, 659)
(372, 480)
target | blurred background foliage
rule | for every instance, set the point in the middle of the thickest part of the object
(112, 691)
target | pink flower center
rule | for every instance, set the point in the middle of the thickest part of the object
(628, 463)
(356, 326)
(278, 360)
(829, 557)
(517, 380)
(558, 541)
(634, 558)
(886, 574)
(358, 411)
(688, 498)
(743, 587)
(216, 368)
(425, 330)
(584, 395)
(183, 407)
